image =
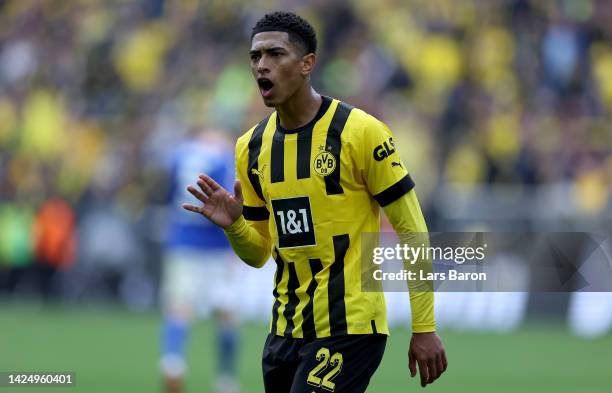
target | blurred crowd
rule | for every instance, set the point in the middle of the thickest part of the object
(94, 93)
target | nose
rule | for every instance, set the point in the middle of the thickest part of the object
(262, 66)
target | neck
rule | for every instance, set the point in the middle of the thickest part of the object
(300, 108)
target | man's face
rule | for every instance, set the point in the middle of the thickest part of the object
(278, 66)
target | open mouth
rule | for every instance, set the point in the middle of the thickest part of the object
(265, 86)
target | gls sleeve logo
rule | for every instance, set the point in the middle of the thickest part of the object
(384, 150)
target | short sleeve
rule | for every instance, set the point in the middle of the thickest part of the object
(385, 174)
(254, 207)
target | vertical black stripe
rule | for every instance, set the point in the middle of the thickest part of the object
(277, 158)
(254, 150)
(373, 323)
(332, 181)
(304, 146)
(308, 326)
(280, 264)
(337, 308)
(292, 299)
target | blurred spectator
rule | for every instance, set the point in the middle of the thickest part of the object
(15, 244)
(54, 241)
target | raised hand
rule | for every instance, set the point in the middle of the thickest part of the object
(218, 205)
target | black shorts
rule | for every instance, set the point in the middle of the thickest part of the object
(341, 364)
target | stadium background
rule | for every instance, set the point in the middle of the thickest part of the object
(502, 110)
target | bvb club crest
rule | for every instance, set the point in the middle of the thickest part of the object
(324, 162)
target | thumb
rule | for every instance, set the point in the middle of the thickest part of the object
(412, 364)
(238, 191)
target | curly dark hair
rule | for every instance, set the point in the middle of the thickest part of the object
(299, 30)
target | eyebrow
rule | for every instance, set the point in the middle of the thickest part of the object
(273, 49)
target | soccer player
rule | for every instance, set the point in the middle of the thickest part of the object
(311, 177)
(196, 280)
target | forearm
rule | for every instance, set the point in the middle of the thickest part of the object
(249, 241)
(407, 219)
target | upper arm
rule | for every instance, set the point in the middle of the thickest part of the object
(385, 174)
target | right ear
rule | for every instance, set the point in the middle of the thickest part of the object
(308, 64)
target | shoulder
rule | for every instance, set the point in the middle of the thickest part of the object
(364, 119)
(245, 138)
(358, 119)
(362, 126)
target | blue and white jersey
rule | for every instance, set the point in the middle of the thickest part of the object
(186, 229)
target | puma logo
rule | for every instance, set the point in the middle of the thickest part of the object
(259, 173)
(394, 163)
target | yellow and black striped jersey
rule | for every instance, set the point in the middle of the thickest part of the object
(320, 186)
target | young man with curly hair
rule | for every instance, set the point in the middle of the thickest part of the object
(312, 177)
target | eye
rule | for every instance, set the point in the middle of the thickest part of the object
(255, 57)
(275, 54)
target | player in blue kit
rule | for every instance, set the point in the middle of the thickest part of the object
(196, 279)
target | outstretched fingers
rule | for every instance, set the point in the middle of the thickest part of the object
(238, 191)
(205, 187)
(202, 197)
(192, 208)
(209, 182)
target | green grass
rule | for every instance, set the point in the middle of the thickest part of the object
(116, 351)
